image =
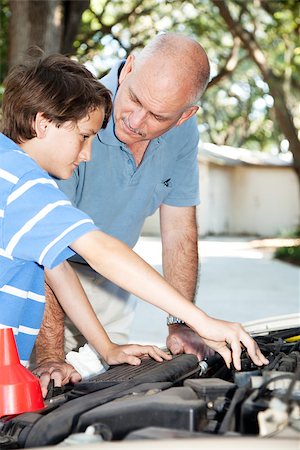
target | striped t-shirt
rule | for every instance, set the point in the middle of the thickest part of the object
(37, 224)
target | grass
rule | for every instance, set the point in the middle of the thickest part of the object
(290, 253)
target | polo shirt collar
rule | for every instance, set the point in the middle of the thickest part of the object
(111, 81)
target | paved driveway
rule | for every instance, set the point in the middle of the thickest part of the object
(239, 281)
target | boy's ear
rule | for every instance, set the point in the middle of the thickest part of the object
(40, 125)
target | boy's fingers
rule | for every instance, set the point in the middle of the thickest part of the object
(130, 359)
(155, 352)
(158, 354)
(226, 355)
(236, 354)
(253, 351)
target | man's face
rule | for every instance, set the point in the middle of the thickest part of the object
(144, 106)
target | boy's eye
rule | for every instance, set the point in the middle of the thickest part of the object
(85, 137)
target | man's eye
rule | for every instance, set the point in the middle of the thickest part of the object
(133, 99)
(85, 137)
(158, 118)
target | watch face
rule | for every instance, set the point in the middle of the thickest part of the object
(171, 320)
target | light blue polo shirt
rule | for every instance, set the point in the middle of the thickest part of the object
(118, 195)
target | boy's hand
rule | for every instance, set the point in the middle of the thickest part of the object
(229, 338)
(132, 354)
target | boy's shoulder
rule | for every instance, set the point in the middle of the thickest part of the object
(14, 160)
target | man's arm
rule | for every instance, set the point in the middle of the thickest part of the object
(50, 342)
(179, 235)
(49, 347)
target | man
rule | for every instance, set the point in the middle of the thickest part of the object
(145, 159)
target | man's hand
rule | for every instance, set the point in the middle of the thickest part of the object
(59, 371)
(132, 354)
(183, 339)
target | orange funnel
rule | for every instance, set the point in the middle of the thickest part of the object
(19, 389)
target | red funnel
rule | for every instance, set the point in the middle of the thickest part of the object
(19, 389)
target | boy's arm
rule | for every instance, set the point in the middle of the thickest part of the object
(115, 261)
(72, 298)
(67, 288)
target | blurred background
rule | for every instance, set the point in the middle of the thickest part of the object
(249, 121)
(249, 118)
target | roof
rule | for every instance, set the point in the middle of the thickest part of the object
(231, 156)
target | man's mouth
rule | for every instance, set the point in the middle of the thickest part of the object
(131, 130)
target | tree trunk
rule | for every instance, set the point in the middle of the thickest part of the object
(275, 84)
(73, 10)
(34, 22)
(50, 24)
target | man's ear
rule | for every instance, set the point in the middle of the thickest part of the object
(40, 125)
(127, 68)
(187, 114)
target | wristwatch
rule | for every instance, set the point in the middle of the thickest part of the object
(172, 320)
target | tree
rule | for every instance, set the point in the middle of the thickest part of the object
(50, 24)
(280, 87)
(253, 97)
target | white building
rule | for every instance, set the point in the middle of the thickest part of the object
(243, 192)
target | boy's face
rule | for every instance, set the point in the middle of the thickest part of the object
(61, 149)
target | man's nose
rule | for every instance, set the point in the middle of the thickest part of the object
(137, 118)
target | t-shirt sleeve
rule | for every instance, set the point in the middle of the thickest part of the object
(40, 222)
(185, 177)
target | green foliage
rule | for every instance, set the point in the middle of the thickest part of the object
(237, 108)
(289, 254)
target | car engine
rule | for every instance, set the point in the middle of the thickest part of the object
(181, 398)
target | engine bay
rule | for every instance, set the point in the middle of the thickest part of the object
(181, 398)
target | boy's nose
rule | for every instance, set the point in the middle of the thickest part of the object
(86, 153)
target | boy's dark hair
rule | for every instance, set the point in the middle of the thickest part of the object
(61, 88)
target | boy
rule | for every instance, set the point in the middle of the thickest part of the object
(52, 109)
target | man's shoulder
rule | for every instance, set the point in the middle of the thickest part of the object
(187, 131)
(110, 80)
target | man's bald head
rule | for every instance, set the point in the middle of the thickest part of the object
(180, 56)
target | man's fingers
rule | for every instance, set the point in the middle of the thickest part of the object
(173, 344)
(75, 377)
(58, 376)
(44, 379)
(60, 372)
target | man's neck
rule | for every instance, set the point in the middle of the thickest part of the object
(138, 150)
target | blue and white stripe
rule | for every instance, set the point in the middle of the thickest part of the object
(37, 225)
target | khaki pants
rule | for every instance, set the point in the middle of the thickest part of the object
(113, 306)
